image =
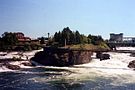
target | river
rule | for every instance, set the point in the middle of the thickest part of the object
(112, 74)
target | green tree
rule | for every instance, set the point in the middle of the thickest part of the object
(84, 39)
(77, 37)
(96, 40)
(66, 34)
(1, 44)
(42, 40)
(70, 37)
(9, 38)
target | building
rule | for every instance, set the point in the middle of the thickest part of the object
(22, 39)
(19, 35)
(116, 37)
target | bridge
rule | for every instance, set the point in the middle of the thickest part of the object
(113, 45)
(123, 42)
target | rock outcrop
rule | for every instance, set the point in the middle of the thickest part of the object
(13, 67)
(102, 56)
(26, 64)
(62, 57)
(131, 64)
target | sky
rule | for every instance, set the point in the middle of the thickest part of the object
(36, 18)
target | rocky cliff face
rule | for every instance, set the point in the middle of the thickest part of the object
(62, 57)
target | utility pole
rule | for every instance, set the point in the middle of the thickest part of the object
(65, 42)
(48, 35)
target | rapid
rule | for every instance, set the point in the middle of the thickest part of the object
(111, 74)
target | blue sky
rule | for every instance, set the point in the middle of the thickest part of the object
(36, 18)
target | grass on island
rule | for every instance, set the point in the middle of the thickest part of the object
(102, 46)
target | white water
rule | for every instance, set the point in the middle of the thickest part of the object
(18, 54)
(24, 56)
(114, 69)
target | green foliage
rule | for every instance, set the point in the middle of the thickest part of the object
(42, 40)
(9, 42)
(83, 39)
(27, 47)
(70, 37)
(96, 40)
(34, 47)
(103, 45)
(75, 38)
(9, 38)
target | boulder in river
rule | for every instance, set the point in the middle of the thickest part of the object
(102, 56)
(131, 64)
(27, 64)
(13, 67)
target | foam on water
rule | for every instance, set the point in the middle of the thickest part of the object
(125, 48)
(114, 69)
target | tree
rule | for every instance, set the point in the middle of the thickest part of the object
(1, 44)
(56, 37)
(9, 38)
(70, 37)
(66, 34)
(84, 39)
(42, 40)
(96, 40)
(77, 37)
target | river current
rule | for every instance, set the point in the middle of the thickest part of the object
(112, 74)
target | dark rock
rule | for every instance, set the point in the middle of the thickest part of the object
(98, 54)
(102, 56)
(132, 54)
(131, 64)
(13, 67)
(62, 57)
(3, 54)
(27, 64)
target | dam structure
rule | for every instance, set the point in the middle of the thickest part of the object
(118, 40)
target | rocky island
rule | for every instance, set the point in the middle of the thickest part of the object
(65, 56)
(62, 56)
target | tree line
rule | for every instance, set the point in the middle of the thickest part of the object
(72, 37)
(8, 39)
(9, 42)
